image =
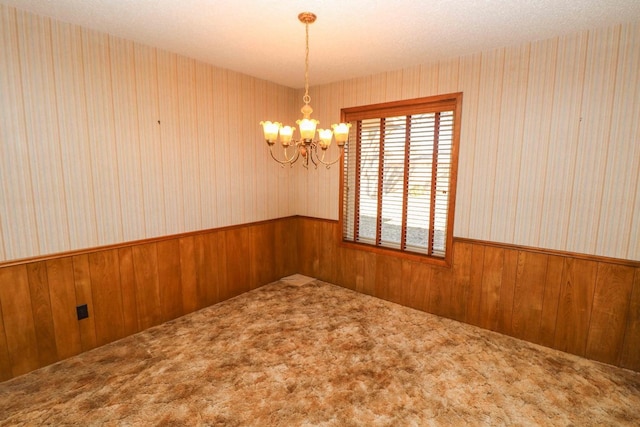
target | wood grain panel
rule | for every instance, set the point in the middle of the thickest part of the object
(238, 270)
(492, 273)
(388, 278)
(507, 292)
(62, 292)
(365, 266)
(286, 243)
(630, 357)
(574, 306)
(170, 280)
(128, 288)
(219, 255)
(5, 358)
(416, 285)
(42, 314)
(310, 239)
(328, 253)
(528, 296)
(461, 281)
(440, 295)
(145, 262)
(610, 312)
(19, 326)
(472, 314)
(188, 275)
(108, 313)
(555, 268)
(82, 281)
(262, 254)
(207, 283)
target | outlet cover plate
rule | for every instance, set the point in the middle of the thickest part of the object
(82, 311)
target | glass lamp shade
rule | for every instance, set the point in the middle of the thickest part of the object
(286, 134)
(307, 128)
(271, 130)
(341, 132)
(325, 138)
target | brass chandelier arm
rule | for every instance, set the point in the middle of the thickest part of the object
(287, 161)
(321, 158)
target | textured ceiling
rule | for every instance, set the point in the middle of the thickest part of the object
(351, 38)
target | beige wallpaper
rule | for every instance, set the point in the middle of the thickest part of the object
(103, 140)
(550, 145)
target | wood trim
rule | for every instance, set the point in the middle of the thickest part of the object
(594, 258)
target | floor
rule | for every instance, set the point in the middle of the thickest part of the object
(304, 352)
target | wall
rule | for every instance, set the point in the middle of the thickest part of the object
(131, 287)
(103, 141)
(550, 141)
(584, 305)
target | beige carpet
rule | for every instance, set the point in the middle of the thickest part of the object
(309, 353)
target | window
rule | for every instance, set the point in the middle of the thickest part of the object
(399, 176)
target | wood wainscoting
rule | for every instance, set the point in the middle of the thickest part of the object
(584, 305)
(130, 287)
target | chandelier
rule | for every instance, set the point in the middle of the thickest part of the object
(307, 145)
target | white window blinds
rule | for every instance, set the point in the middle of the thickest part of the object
(397, 182)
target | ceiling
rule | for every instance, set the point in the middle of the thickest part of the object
(351, 38)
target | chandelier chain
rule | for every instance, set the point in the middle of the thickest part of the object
(306, 97)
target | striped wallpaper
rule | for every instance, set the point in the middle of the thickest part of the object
(103, 140)
(550, 144)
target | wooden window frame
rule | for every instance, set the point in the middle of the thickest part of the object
(448, 102)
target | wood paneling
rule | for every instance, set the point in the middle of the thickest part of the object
(42, 313)
(82, 280)
(145, 262)
(128, 288)
(574, 306)
(631, 348)
(188, 274)
(610, 312)
(238, 267)
(17, 314)
(62, 292)
(170, 280)
(132, 287)
(108, 314)
(528, 296)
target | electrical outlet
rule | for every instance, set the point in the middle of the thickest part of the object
(82, 311)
